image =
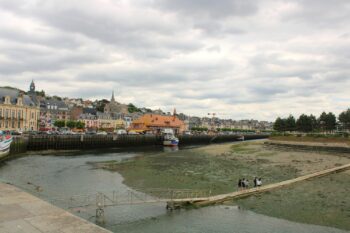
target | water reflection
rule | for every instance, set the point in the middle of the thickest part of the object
(170, 148)
(61, 177)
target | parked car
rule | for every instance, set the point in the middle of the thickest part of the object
(90, 133)
(121, 131)
(102, 133)
(15, 133)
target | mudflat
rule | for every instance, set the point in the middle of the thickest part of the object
(322, 201)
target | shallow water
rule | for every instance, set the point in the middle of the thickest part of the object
(61, 177)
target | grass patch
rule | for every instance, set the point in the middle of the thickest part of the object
(322, 201)
(293, 138)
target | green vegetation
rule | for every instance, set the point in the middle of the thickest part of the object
(344, 118)
(132, 108)
(197, 169)
(60, 123)
(100, 105)
(313, 138)
(325, 123)
(322, 201)
(199, 129)
(70, 124)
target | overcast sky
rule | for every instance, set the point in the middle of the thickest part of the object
(238, 58)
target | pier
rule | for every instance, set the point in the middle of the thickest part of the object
(217, 199)
(22, 212)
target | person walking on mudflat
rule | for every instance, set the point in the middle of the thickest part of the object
(240, 184)
(255, 182)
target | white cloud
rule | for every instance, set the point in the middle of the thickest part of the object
(243, 59)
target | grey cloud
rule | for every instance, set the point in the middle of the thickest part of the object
(138, 37)
(197, 55)
(209, 8)
(321, 13)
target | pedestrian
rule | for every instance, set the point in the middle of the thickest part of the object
(255, 181)
(245, 183)
(240, 184)
(259, 182)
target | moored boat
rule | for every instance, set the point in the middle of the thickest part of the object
(170, 140)
(5, 143)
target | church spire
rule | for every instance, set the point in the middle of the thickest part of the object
(32, 86)
(112, 99)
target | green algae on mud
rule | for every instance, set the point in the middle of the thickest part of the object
(322, 201)
(199, 169)
(218, 168)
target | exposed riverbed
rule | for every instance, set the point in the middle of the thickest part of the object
(58, 178)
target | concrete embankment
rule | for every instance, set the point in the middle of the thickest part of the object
(310, 146)
(80, 142)
(22, 212)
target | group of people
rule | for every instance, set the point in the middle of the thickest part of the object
(244, 183)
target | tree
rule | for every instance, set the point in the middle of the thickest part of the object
(344, 119)
(290, 124)
(305, 123)
(100, 106)
(314, 123)
(327, 121)
(132, 108)
(80, 125)
(278, 125)
(60, 124)
(71, 124)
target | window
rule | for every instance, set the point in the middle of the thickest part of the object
(19, 119)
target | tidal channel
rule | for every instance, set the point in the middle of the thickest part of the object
(68, 179)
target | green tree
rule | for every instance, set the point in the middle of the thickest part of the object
(327, 121)
(304, 123)
(60, 123)
(132, 108)
(279, 125)
(71, 124)
(100, 106)
(290, 124)
(80, 125)
(314, 123)
(344, 119)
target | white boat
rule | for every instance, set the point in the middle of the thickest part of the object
(170, 140)
(5, 143)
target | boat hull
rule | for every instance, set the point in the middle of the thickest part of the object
(171, 142)
(5, 146)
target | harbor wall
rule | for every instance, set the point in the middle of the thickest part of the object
(81, 142)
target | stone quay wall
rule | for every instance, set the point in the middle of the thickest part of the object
(81, 142)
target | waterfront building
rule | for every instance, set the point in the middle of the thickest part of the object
(105, 121)
(90, 120)
(52, 110)
(154, 123)
(17, 110)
